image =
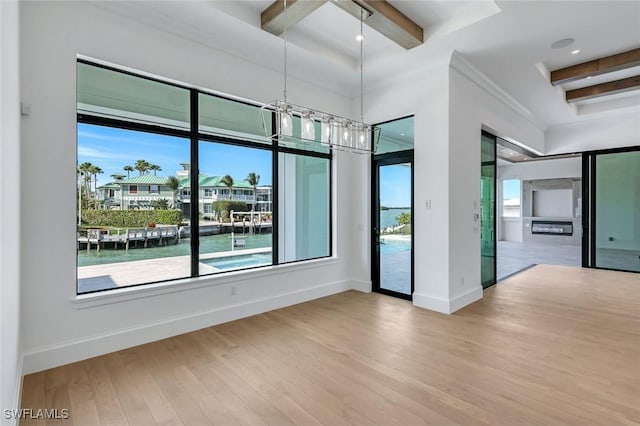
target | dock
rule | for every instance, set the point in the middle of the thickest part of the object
(160, 235)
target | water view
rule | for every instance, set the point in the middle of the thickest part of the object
(208, 244)
(388, 217)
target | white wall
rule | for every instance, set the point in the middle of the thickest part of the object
(546, 169)
(475, 103)
(599, 133)
(57, 330)
(426, 96)
(10, 346)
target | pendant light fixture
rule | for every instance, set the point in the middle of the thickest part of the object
(293, 125)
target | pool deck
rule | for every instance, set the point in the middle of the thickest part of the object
(122, 274)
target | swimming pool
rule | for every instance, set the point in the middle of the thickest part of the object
(393, 245)
(229, 263)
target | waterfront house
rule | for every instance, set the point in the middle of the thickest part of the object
(140, 192)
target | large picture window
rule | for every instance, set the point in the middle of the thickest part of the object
(173, 183)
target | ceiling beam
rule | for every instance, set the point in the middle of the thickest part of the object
(620, 61)
(387, 20)
(618, 86)
(272, 18)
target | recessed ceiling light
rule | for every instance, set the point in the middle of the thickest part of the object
(575, 52)
(401, 134)
(359, 37)
(562, 43)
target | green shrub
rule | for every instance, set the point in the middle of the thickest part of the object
(161, 204)
(236, 206)
(169, 217)
(130, 218)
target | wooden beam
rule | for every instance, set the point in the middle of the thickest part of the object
(387, 20)
(618, 86)
(272, 18)
(620, 61)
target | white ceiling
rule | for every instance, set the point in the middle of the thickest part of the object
(509, 41)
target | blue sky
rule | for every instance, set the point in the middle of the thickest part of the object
(395, 186)
(111, 149)
(511, 189)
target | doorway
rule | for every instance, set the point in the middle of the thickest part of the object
(612, 205)
(531, 209)
(488, 210)
(392, 222)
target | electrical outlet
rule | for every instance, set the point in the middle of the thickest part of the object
(233, 290)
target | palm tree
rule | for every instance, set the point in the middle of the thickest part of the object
(174, 184)
(228, 182)
(253, 179)
(95, 171)
(128, 169)
(155, 168)
(142, 166)
(85, 171)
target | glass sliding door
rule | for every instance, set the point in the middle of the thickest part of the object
(488, 209)
(393, 257)
(615, 210)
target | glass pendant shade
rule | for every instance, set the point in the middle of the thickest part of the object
(336, 131)
(286, 122)
(308, 126)
(347, 135)
(360, 136)
(325, 130)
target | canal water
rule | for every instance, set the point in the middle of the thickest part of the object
(208, 244)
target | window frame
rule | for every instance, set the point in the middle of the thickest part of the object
(196, 136)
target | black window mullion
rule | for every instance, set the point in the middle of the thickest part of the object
(331, 204)
(275, 246)
(131, 125)
(586, 232)
(592, 210)
(194, 177)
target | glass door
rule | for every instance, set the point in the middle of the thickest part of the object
(613, 209)
(488, 210)
(393, 225)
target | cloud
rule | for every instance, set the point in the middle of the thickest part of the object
(92, 153)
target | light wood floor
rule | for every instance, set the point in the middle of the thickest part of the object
(552, 345)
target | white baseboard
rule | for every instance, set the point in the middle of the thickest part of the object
(55, 355)
(361, 285)
(444, 305)
(465, 299)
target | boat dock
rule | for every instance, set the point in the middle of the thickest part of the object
(161, 235)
